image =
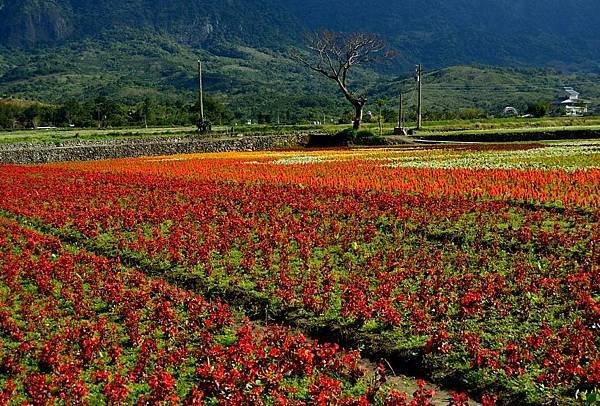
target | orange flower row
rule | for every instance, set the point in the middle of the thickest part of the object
(369, 171)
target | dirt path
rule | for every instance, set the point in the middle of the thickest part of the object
(409, 385)
(402, 383)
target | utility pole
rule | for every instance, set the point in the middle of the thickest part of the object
(200, 91)
(401, 113)
(400, 130)
(420, 96)
(203, 125)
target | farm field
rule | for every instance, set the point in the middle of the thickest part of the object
(63, 134)
(133, 280)
(445, 127)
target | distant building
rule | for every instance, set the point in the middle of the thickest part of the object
(571, 104)
(510, 111)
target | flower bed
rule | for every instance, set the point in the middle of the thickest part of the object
(75, 327)
(487, 275)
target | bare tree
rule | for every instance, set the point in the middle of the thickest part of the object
(334, 54)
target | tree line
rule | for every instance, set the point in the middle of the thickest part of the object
(104, 112)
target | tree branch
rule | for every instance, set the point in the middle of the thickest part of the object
(335, 54)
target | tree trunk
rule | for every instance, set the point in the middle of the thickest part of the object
(359, 116)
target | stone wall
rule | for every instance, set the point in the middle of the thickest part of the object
(35, 153)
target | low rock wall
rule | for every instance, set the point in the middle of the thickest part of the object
(36, 153)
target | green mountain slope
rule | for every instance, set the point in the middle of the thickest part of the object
(248, 80)
(35, 21)
(434, 32)
(488, 90)
(31, 23)
(58, 50)
(447, 32)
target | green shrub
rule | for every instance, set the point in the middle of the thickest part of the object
(366, 137)
(348, 133)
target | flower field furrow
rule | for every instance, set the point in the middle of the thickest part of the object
(77, 328)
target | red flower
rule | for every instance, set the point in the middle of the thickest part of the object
(116, 390)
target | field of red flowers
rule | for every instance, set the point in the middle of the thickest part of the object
(488, 276)
(77, 328)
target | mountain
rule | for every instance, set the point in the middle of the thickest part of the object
(437, 33)
(53, 50)
(30, 23)
(447, 32)
(34, 22)
(559, 33)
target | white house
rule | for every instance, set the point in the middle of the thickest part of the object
(510, 111)
(572, 104)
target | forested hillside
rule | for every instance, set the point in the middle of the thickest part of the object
(434, 32)
(558, 33)
(126, 52)
(34, 23)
